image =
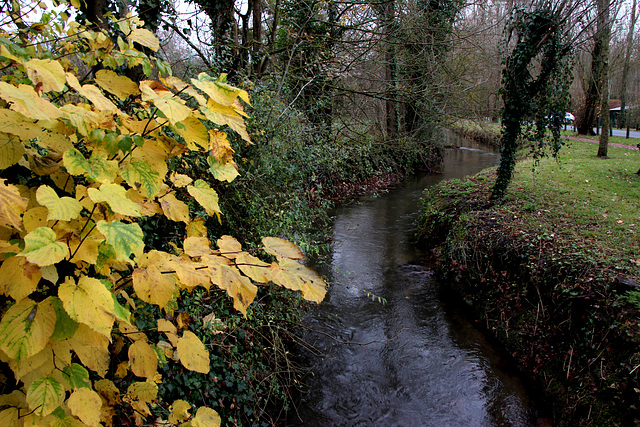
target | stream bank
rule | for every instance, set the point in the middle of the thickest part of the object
(540, 280)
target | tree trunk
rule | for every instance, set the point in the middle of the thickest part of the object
(390, 71)
(593, 97)
(604, 32)
(626, 66)
(256, 46)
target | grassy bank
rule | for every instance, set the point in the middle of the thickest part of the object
(550, 271)
(483, 132)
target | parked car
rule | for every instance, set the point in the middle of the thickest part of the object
(569, 118)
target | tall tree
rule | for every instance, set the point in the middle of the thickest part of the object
(424, 41)
(386, 12)
(535, 85)
(627, 65)
(586, 120)
(603, 33)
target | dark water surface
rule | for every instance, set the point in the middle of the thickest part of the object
(413, 361)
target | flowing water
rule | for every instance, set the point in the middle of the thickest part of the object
(412, 361)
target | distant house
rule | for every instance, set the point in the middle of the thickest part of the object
(614, 111)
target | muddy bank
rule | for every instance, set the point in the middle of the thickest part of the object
(559, 309)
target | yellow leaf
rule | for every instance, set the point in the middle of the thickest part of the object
(253, 267)
(220, 92)
(152, 286)
(88, 302)
(4, 51)
(177, 84)
(281, 248)
(26, 328)
(196, 228)
(92, 349)
(26, 101)
(222, 171)
(179, 411)
(47, 73)
(143, 359)
(60, 208)
(44, 395)
(229, 246)
(293, 275)
(206, 417)
(193, 354)
(12, 205)
(86, 404)
(143, 391)
(169, 329)
(41, 247)
(36, 366)
(171, 106)
(122, 370)
(120, 86)
(34, 218)
(197, 246)
(223, 115)
(108, 390)
(175, 209)
(86, 249)
(145, 38)
(220, 147)
(194, 132)
(190, 274)
(147, 207)
(132, 332)
(50, 273)
(81, 117)
(11, 150)
(227, 277)
(180, 180)
(92, 93)
(116, 196)
(18, 277)
(10, 417)
(206, 196)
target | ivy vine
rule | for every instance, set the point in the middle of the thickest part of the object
(535, 89)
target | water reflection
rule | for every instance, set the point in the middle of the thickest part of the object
(410, 361)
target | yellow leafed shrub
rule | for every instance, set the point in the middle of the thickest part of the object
(83, 158)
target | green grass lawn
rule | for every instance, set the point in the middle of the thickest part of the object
(584, 197)
(596, 138)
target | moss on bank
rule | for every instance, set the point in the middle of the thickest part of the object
(548, 271)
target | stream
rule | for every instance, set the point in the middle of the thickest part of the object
(412, 360)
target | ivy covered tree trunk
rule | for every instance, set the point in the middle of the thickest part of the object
(423, 42)
(539, 47)
(312, 33)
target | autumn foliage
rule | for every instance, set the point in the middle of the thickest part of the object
(84, 153)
